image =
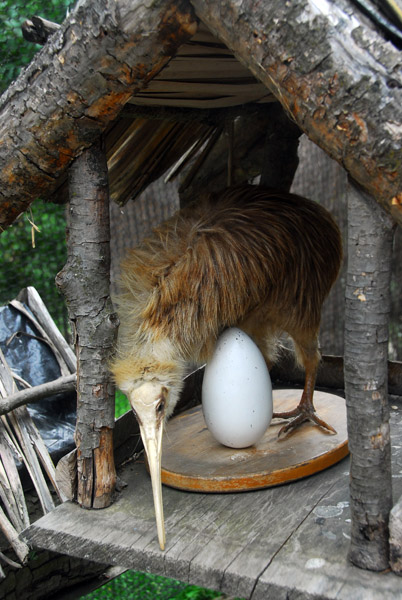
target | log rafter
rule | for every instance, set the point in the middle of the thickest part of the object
(333, 73)
(325, 62)
(103, 53)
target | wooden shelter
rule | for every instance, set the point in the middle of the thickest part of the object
(121, 93)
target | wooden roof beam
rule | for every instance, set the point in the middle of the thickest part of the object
(104, 52)
(333, 73)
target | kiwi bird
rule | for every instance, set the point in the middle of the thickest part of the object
(251, 257)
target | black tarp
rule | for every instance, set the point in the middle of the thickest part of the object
(31, 358)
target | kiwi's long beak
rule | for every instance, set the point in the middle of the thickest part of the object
(151, 434)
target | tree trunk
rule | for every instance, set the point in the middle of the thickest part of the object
(332, 72)
(395, 537)
(103, 53)
(85, 283)
(396, 295)
(366, 351)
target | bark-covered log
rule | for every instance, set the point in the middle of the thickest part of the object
(370, 236)
(85, 283)
(333, 72)
(61, 385)
(104, 52)
(395, 537)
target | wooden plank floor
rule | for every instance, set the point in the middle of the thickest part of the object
(286, 541)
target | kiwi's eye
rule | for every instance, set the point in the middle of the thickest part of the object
(161, 406)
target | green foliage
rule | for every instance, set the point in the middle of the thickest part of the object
(122, 404)
(142, 586)
(193, 592)
(15, 52)
(22, 265)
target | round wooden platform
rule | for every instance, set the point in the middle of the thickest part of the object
(193, 460)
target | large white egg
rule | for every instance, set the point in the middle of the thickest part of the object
(237, 391)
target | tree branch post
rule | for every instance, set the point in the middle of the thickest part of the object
(85, 281)
(62, 385)
(370, 235)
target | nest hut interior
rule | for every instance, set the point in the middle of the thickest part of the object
(125, 92)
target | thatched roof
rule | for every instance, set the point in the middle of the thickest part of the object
(151, 134)
(111, 63)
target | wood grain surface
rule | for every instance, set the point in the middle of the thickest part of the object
(285, 541)
(193, 460)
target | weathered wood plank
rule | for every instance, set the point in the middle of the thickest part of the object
(11, 492)
(66, 476)
(262, 544)
(20, 548)
(22, 425)
(8, 450)
(276, 520)
(20, 440)
(314, 560)
(192, 518)
(314, 563)
(30, 296)
(32, 433)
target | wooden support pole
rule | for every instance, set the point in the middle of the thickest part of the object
(370, 234)
(85, 282)
(395, 537)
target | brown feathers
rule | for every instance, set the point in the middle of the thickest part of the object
(249, 256)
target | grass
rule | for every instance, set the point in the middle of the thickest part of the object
(133, 585)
